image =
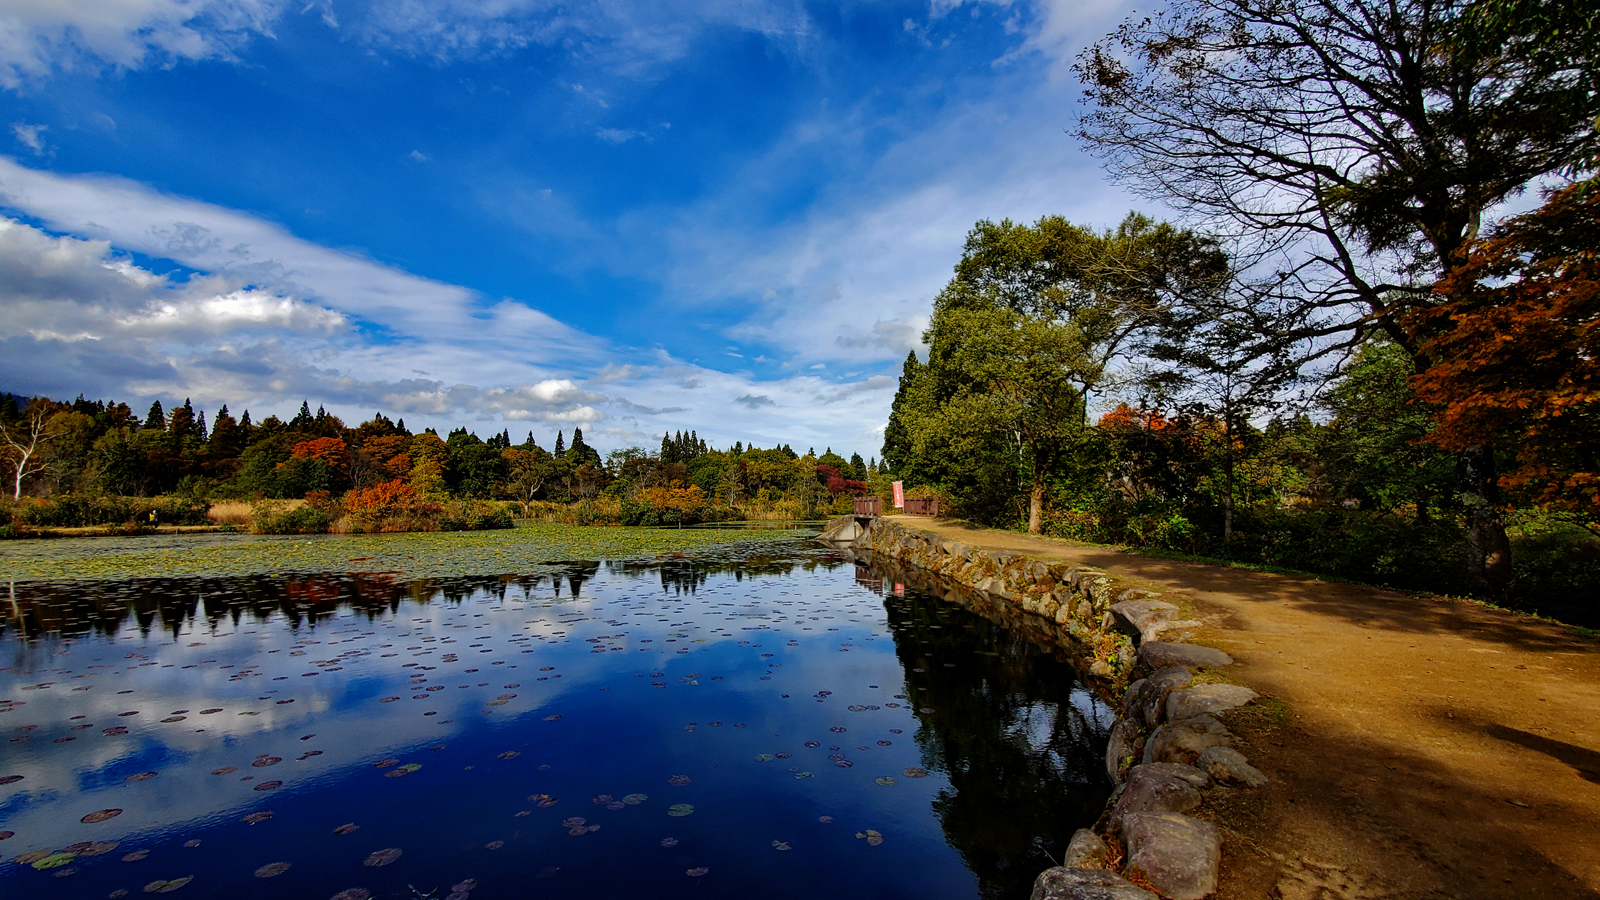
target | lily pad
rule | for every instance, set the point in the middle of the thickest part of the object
(385, 763)
(98, 848)
(55, 860)
(167, 887)
(697, 871)
(347, 828)
(352, 894)
(510, 754)
(257, 817)
(403, 771)
(225, 770)
(680, 809)
(261, 762)
(382, 857)
(100, 815)
(494, 845)
(269, 785)
(135, 855)
(781, 845)
(764, 757)
(678, 779)
(669, 842)
(884, 780)
(635, 799)
(142, 776)
(915, 772)
(272, 870)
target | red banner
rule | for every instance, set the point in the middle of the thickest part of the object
(899, 495)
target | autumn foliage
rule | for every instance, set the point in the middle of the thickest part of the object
(1517, 346)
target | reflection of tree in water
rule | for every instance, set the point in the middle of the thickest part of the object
(201, 603)
(1025, 761)
(171, 605)
(684, 574)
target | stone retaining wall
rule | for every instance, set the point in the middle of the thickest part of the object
(1170, 747)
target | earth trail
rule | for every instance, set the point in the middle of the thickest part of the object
(1431, 748)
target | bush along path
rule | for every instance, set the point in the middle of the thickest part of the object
(1404, 747)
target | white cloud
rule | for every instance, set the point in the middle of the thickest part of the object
(618, 135)
(29, 136)
(40, 37)
(419, 156)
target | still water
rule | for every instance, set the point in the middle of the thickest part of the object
(769, 720)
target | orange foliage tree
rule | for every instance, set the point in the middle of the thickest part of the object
(1516, 351)
(330, 450)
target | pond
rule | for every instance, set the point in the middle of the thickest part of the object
(764, 719)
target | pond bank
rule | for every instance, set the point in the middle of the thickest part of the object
(1413, 747)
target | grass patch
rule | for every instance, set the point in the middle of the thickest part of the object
(1262, 715)
(413, 555)
(1588, 634)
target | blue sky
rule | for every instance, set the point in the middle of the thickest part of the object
(631, 217)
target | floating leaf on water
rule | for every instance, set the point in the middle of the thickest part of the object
(117, 894)
(142, 776)
(135, 856)
(521, 813)
(269, 785)
(225, 770)
(388, 699)
(873, 837)
(764, 757)
(257, 817)
(680, 809)
(635, 799)
(843, 763)
(884, 780)
(262, 762)
(551, 718)
(494, 845)
(826, 820)
(382, 857)
(697, 872)
(784, 755)
(573, 822)
(780, 845)
(167, 887)
(98, 848)
(545, 801)
(404, 770)
(55, 860)
(669, 842)
(926, 710)
(896, 731)
(510, 754)
(173, 719)
(10, 779)
(838, 729)
(7, 835)
(346, 828)
(800, 775)
(192, 844)
(466, 885)
(385, 763)
(207, 712)
(28, 859)
(915, 772)
(100, 815)
(813, 744)
(352, 894)
(886, 743)
(272, 870)
(678, 779)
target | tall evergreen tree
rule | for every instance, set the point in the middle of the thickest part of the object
(156, 419)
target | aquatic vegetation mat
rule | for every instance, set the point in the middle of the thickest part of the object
(404, 556)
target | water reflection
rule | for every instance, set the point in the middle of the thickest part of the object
(241, 723)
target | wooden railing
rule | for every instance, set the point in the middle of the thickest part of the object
(869, 506)
(922, 507)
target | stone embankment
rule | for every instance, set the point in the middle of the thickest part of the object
(1170, 746)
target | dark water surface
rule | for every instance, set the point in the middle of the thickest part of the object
(768, 721)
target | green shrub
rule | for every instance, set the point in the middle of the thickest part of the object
(273, 518)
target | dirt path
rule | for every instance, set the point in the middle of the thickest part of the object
(1435, 749)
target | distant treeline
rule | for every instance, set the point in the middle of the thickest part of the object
(97, 448)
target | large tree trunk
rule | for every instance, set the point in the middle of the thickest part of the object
(1036, 502)
(1488, 548)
